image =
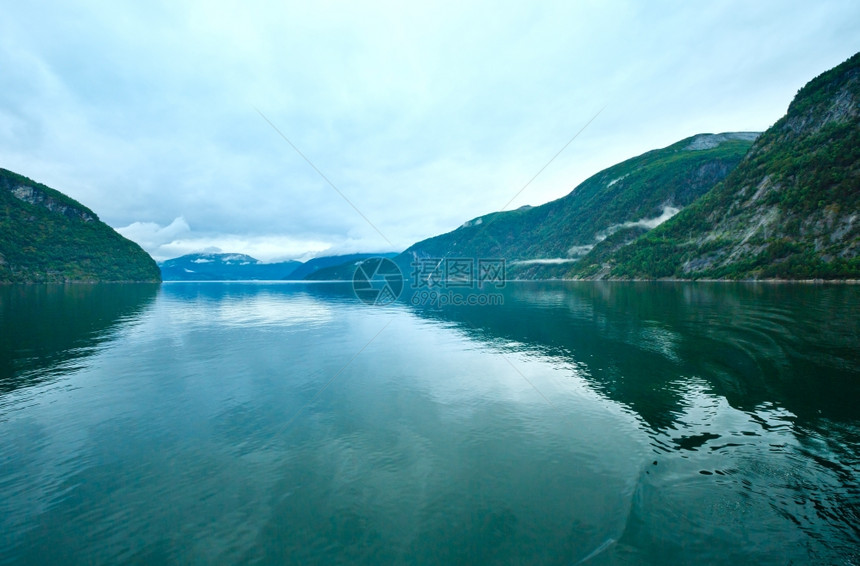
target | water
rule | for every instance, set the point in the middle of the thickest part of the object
(290, 423)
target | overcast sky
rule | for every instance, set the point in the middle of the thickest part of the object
(423, 116)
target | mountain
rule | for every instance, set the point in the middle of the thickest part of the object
(790, 210)
(224, 267)
(322, 268)
(614, 205)
(340, 270)
(46, 236)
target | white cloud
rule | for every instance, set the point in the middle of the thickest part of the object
(647, 223)
(265, 247)
(544, 261)
(153, 237)
(177, 238)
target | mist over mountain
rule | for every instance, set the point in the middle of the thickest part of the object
(242, 267)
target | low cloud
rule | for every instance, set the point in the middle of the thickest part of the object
(152, 237)
(265, 247)
(648, 223)
(544, 261)
(177, 239)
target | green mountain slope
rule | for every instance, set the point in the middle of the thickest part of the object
(46, 236)
(790, 210)
(634, 195)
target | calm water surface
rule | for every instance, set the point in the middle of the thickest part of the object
(290, 423)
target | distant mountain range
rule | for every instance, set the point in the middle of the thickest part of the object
(319, 268)
(46, 236)
(240, 267)
(224, 267)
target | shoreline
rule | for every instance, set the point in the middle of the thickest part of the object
(550, 280)
(674, 280)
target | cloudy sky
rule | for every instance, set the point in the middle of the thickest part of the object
(423, 115)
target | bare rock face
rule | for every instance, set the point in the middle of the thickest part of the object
(710, 141)
(842, 106)
(39, 198)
